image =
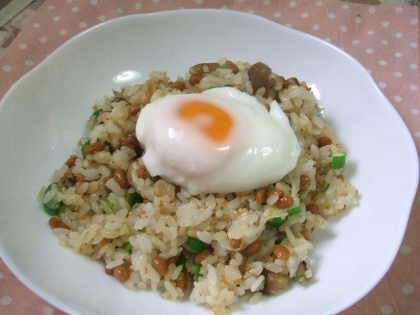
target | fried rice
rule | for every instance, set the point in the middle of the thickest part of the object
(215, 249)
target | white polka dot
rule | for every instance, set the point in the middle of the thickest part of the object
(293, 4)
(22, 46)
(36, 25)
(51, 7)
(397, 98)
(408, 288)
(372, 10)
(356, 42)
(399, 9)
(398, 74)
(101, 18)
(358, 20)
(74, 9)
(405, 249)
(304, 15)
(346, 6)
(69, 1)
(413, 45)
(266, 2)
(369, 50)
(29, 63)
(413, 66)
(62, 32)
(319, 3)
(93, 2)
(414, 111)
(277, 14)
(56, 18)
(414, 21)
(398, 35)
(382, 85)
(47, 310)
(386, 309)
(7, 68)
(414, 87)
(385, 23)
(316, 27)
(371, 32)
(156, 1)
(82, 24)
(6, 300)
(1, 275)
(120, 10)
(137, 6)
(343, 29)
(331, 15)
(383, 62)
(43, 39)
(398, 54)
(384, 42)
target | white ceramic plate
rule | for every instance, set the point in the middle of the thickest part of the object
(44, 114)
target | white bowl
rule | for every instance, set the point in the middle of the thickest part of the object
(44, 114)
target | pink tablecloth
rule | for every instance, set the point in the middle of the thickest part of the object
(385, 39)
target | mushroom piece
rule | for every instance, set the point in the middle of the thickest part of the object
(274, 282)
(258, 74)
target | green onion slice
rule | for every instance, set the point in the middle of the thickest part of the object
(194, 244)
(181, 262)
(49, 200)
(294, 211)
(128, 246)
(107, 205)
(276, 222)
(84, 154)
(96, 113)
(325, 188)
(338, 161)
(134, 198)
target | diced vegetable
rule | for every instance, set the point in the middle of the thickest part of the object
(194, 244)
(107, 205)
(276, 222)
(96, 113)
(338, 161)
(128, 246)
(49, 200)
(84, 154)
(294, 211)
(325, 188)
(181, 261)
(134, 198)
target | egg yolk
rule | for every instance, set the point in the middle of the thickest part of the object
(217, 128)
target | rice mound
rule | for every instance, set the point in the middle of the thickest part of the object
(214, 248)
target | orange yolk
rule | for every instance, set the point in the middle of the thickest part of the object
(221, 122)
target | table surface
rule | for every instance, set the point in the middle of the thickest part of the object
(382, 34)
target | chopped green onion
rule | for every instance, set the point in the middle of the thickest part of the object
(294, 211)
(107, 205)
(181, 262)
(279, 239)
(128, 246)
(276, 222)
(300, 278)
(134, 198)
(338, 161)
(84, 154)
(325, 188)
(194, 244)
(49, 202)
(96, 113)
(225, 66)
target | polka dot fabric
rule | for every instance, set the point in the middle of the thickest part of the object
(385, 39)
